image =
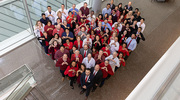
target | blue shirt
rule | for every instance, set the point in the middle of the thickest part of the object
(131, 43)
(108, 25)
(75, 10)
(68, 25)
(44, 21)
(105, 10)
(70, 35)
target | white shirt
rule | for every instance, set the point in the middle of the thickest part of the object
(89, 64)
(37, 31)
(113, 47)
(113, 64)
(50, 17)
(90, 42)
(119, 27)
(62, 18)
(132, 45)
(89, 17)
(142, 26)
(64, 15)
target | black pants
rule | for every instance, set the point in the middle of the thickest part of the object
(62, 72)
(72, 80)
(46, 49)
(116, 68)
(102, 82)
(87, 91)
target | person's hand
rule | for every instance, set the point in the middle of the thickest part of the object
(96, 84)
(62, 63)
(66, 63)
(77, 59)
(99, 57)
(84, 87)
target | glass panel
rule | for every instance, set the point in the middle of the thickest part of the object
(173, 91)
(13, 19)
(37, 7)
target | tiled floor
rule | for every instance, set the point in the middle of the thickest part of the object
(162, 29)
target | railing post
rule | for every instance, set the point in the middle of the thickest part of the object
(28, 15)
(65, 4)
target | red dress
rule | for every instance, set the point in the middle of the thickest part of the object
(70, 45)
(76, 44)
(105, 73)
(124, 51)
(105, 54)
(50, 31)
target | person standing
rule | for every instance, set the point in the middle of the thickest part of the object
(50, 14)
(86, 82)
(106, 70)
(131, 43)
(63, 63)
(89, 61)
(71, 72)
(97, 73)
(107, 10)
(85, 9)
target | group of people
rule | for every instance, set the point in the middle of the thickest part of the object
(89, 49)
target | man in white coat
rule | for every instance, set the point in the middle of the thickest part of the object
(114, 44)
(50, 14)
(63, 11)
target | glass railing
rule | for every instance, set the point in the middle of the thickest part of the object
(17, 18)
(13, 19)
(15, 85)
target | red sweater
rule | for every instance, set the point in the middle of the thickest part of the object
(50, 31)
(76, 44)
(124, 51)
(70, 45)
(108, 51)
(105, 73)
(71, 73)
(122, 62)
(64, 66)
(73, 58)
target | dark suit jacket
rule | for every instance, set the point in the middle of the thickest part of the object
(112, 6)
(82, 52)
(98, 77)
(138, 38)
(130, 8)
(89, 83)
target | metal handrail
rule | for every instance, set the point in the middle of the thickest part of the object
(18, 85)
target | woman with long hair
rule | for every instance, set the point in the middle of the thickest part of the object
(71, 72)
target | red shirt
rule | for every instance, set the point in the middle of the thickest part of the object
(70, 19)
(64, 66)
(98, 61)
(94, 53)
(50, 31)
(124, 51)
(105, 73)
(71, 73)
(108, 51)
(70, 45)
(73, 58)
(58, 31)
(76, 44)
(122, 62)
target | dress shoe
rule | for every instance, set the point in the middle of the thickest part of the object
(82, 92)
